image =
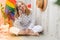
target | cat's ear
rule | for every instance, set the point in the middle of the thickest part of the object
(42, 4)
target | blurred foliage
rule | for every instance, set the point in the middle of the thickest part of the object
(2, 11)
(57, 2)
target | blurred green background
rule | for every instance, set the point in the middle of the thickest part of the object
(58, 2)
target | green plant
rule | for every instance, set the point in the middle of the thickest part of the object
(57, 2)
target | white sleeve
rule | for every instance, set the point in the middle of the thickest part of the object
(17, 22)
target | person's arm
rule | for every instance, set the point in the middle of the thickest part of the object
(15, 29)
(17, 22)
